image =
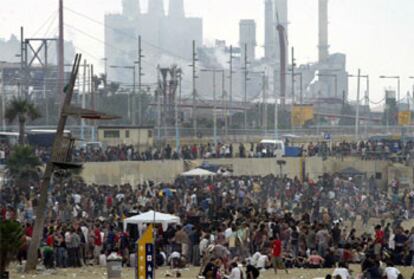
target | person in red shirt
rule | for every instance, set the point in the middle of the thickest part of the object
(97, 243)
(29, 230)
(50, 238)
(277, 260)
(379, 240)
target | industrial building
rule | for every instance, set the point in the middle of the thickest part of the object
(248, 39)
(162, 34)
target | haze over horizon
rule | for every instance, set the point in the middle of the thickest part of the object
(375, 35)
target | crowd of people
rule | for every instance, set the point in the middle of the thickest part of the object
(374, 150)
(266, 222)
(364, 149)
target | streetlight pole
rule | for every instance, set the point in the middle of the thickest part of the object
(359, 76)
(140, 74)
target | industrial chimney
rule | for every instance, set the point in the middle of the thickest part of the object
(176, 9)
(156, 8)
(270, 31)
(323, 31)
(131, 8)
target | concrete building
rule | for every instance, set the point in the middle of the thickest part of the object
(129, 135)
(247, 39)
(163, 35)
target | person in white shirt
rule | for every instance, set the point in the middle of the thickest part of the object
(255, 258)
(174, 259)
(228, 232)
(391, 272)
(235, 272)
(342, 270)
(262, 262)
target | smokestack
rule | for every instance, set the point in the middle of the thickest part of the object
(131, 8)
(323, 31)
(176, 8)
(281, 17)
(156, 8)
(270, 31)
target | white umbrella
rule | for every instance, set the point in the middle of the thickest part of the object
(152, 217)
(198, 172)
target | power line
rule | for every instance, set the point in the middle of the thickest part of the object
(99, 40)
(51, 16)
(127, 35)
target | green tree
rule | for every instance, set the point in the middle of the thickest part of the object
(11, 240)
(21, 110)
(23, 164)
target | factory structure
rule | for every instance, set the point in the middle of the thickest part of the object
(167, 37)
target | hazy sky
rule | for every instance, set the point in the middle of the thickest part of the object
(376, 35)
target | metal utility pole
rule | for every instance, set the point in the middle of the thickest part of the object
(276, 117)
(264, 89)
(231, 86)
(367, 106)
(245, 87)
(318, 120)
(83, 98)
(223, 94)
(3, 101)
(158, 97)
(194, 110)
(93, 102)
(301, 88)
(140, 74)
(214, 109)
(22, 61)
(177, 127)
(61, 54)
(293, 75)
(134, 92)
(357, 106)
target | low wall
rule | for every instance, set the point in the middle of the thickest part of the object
(136, 172)
(114, 173)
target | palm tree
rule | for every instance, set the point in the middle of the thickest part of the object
(21, 110)
(11, 240)
(23, 165)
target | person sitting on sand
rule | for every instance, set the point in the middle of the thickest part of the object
(314, 260)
